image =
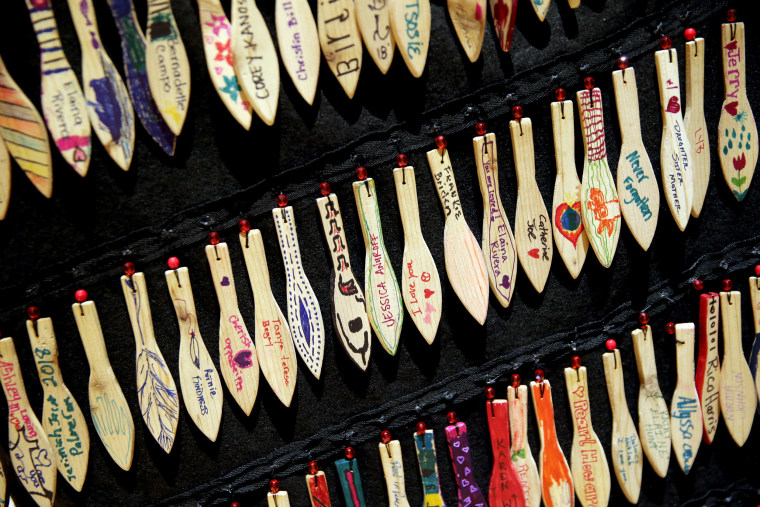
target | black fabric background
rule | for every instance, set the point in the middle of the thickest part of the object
(166, 206)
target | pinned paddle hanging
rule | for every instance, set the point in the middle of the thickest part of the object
(156, 391)
(62, 419)
(108, 103)
(694, 118)
(373, 18)
(299, 45)
(737, 130)
(567, 224)
(675, 151)
(316, 483)
(504, 14)
(275, 497)
(133, 48)
(393, 469)
(533, 236)
(468, 491)
(304, 313)
(63, 104)
(685, 411)
(380, 286)
(527, 471)
(465, 265)
(237, 353)
(341, 42)
(348, 304)
(109, 409)
(424, 444)
(469, 20)
(420, 282)
(198, 378)
(591, 473)
(708, 363)
(505, 487)
(5, 177)
(410, 26)
(498, 244)
(640, 203)
(754, 356)
(350, 480)
(542, 6)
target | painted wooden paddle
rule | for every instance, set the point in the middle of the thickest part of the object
(504, 14)
(63, 104)
(255, 59)
(541, 6)
(424, 445)
(5, 178)
(341, 42)
(349, 308)
(599, 198)
(567, 224)
(167, 65)
(410, 26)
(373, 18)
(738, 396)
(468, 491)
(156, 391)
(527, 471)
(533, 236)
(198, 378)
(316, 484)
(505, 487)
(237, 353)
(24, 135)
(393, 470)
(3, 486)
(574, 4)
(465, 265)
(498, 243)
(685, 412)
(654, 416)
(350, 480)
(675, 150)
(420, 282)
(737, 130)
(299, 45)
(591, 473)
(381, 289)
(108, 103)
(62, 419)
(708, 364)
(640, 201)
(133, 47)
(627, 458)
(109, 409)
(469, 20)
(274, 346)
(694, 121)
(31, 454)
(556, 479)
(754, 356)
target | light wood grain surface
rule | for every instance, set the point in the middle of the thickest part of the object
(526, 467)
(279, 499)
(341, 41)
(393, 470)
(504, 15)
(708, 364)
(410, 26)
(685, 411)
(299, 45)
(754, 356)
(5, 179)
(373, 18)
(540, 7)
(694, 121)
(469, 20)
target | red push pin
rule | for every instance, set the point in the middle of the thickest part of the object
(235, 504)
(727, 285)
(670, 328)
(539, 375)
(274, 486)
(622, 62)
(757, 270)
(441, 142)
(731, 15)
(560, 94)
(282, 200)
(611, 345)
(313, 467)
(361, 173)
(490, 393)
(80, 296)
(690, 34)
(516, 380)
(401, 160)
(644, 318)
(173, 263)
(385, 437)
(697, 284)
(128, 268)
(244, 226)
(589, 83)
(575, 362)
(213, 238)
(421, 428)
(665, 42)
(480, 128)
(349, 452)
(33, 313)
(324, 188)
(452, 417)
(517, 112)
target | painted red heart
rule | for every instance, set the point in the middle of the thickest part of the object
(731, 108)
(673, 105)
(533, 253)
(429, 293)
(567, 220)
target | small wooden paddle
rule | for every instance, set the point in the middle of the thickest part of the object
(527, 471)
(341, 42)
(469, 20)
(350, 480)
(468, 491)
(316, 484)
(424, 445)
(299, 45)
(410, 26)
(542, 6)
(694, 121)
(5, 179)
(505, 487)
(685, 411)
(278, 499)
(373, 18)
(754, 356)
(708, 364)
(504, 14)
(393, 470)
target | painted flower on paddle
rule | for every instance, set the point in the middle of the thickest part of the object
(219, 23)
(224, 52)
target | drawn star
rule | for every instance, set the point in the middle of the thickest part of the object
(219, 23)
(231, 87)
(172, 111)
(224, 52)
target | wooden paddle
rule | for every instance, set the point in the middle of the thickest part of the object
(373, 18)
(108, 407)
(198, 378)
(424, 445)
(384, 308)
(5, 178)
(694, 121)
(274, 346)
(350, 480)
(304, 313)
(393, 470)
(541, 6)
(708, 364)
(675, 151)
(685, 412)
(469, 20)
(410, 26)
(31, 454)
(156, 391)
(3, 486)
(237, 353)
(627, 459)
(133, 47)
(504, 14)
(754, 357)
(591, 473)
(468, 491)
(574, 4)
(505, 487)
(567, 224)
(63, 105)
(316, 484)
(600, 207)
(738, 396)
(640, 202)
(348, 304)
(255, 59)
(556, 479)
(62, 419)
(420, 282)
(299, 45)
(654, 417)
(278, 498)
(737, 130)
(533, 237)
(498, 243)
(527, 471)
(25, 137)
(465, 265)
(341, 42)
